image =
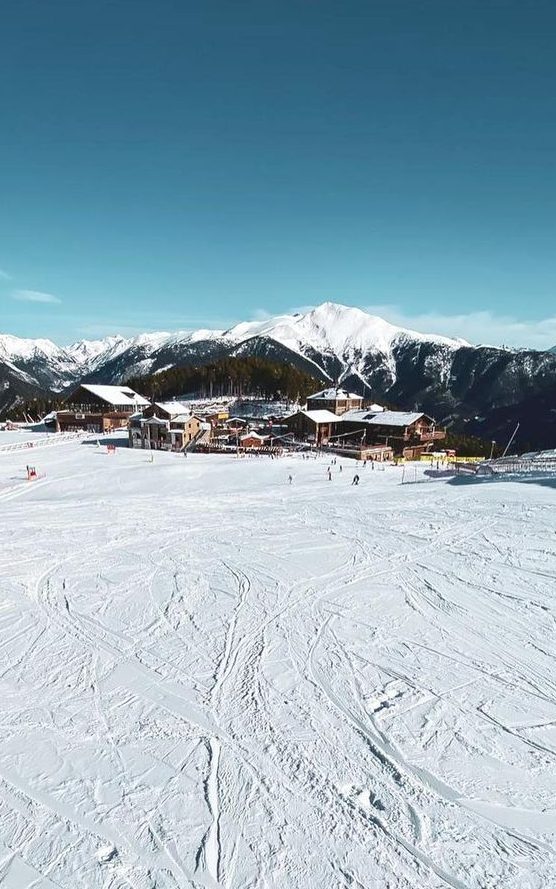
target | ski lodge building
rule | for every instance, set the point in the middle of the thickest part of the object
(95, 408)
(167, 426)
(335, 400)
(337, 418)
(408, 433)
(314, 426)
(317, 422)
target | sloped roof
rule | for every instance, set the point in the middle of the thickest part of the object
(253, 435)
(395, 418)
(360, 415)
(182, 418)
(172, 407)
(153, 421)
(333, 392)
(319, 416)
(115, 395)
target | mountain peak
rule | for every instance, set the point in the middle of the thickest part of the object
(351, 327)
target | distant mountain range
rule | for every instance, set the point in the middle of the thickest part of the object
(481, 389)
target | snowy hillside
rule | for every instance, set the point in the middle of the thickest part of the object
(211, 678)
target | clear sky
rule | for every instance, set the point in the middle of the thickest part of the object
(173, 164)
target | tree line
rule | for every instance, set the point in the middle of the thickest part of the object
(234, 377)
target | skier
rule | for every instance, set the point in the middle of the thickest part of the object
(355, 479)
(340, 467)
(290, 479)
(329, 475)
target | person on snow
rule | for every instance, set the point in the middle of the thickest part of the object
(290, 479)
(355, 479)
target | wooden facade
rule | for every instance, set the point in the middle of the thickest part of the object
(335, 400)
(253, 440)
(313, 426)
(410, 434)
(97, 408)
(166, 426)
(101, 422)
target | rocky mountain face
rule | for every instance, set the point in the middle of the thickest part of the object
(480, 389)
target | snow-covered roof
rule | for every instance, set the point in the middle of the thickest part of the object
(334, 392)
(394, 418)
(153, 421)
(319, 416)
(172, 407)
(115, 395)
(360, 415)
(253, 435)
(182, 418)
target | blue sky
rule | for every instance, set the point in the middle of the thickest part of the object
(175, 164)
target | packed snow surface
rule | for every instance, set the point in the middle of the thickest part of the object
(210, 677)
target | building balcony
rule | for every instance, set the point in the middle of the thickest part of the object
(431, 434)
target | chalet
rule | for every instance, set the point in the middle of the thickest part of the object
(315, 426)
(167, 426)
(97, 408)
(335, 400)
(408, 433)
(253, 440)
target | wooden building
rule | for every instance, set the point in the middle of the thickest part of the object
(316, 426)
(97, 408)
(253, 440)
(167, 426)
(217, 418)
(408, 433)
(335, 400)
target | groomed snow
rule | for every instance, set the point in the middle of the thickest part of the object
(212, 678)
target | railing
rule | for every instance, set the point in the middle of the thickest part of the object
(431, 434)
(197, 439)
(54, 439)
(541, 462)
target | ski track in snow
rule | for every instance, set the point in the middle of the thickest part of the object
(211, 678)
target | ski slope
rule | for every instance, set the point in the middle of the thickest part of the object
(211, 678)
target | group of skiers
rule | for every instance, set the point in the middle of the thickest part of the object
(355, 481)
(334, 462)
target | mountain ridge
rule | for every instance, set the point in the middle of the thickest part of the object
(458, 382)
(321, 318)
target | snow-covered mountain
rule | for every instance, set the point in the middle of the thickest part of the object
(448, 377)
(328, 335)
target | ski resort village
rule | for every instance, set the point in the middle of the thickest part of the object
(333, 420)
(318, 652)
